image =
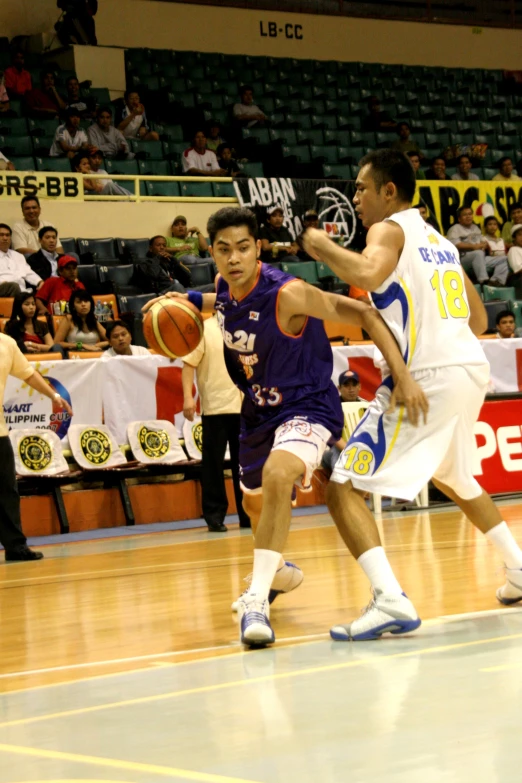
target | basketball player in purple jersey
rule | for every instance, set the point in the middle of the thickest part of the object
(277, 352)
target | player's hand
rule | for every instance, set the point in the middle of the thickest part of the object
(407, 392)
(312, 240)
(168, 295)
(189, 408)
(64, 404)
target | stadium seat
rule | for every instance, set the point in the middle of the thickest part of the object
(120, 277)
(23, 164)
(156, 168)
(201, 274)
(494, 293)
(6, 306)
(147, 149)
(223, 189)
(109, 299)
(88, 275)
(132, 248)
(13, 126)
(101, 249)
(69, 245)
(306, 270)
(252, 169)
(41, 127)
(516, 307)
(197, 189)
(170, 189)
(22, 145)
(133, 304)
(53, 164)
(122, 167)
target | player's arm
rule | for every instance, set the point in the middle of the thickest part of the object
(367, 270)
(299, 300)
(478, 318)
(209, 301)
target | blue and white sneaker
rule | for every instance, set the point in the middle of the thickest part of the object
(384, 614)
(287, 578)
(511, 592)
(254, 615)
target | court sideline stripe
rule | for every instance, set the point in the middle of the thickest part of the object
(256, 680)
(134, 766)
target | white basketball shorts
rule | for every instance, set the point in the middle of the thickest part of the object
(389, 456)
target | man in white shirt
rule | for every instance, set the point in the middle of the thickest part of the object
(515, 251)
(464, 169)
(132, 121)
(200, 161)
(69, 137)
(247, 113)
(120, 341)
(15, 273)
(505, 171)
(25, 232)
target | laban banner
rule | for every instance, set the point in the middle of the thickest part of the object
(331, 199)
(44, 184)
(485, 198)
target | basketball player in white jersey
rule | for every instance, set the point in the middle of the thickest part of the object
(421, 291)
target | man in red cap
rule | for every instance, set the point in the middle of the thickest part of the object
(59, 289)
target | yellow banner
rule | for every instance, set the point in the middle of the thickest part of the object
(44, 184)
(485, 198)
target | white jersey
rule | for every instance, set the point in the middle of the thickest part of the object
(424, 300)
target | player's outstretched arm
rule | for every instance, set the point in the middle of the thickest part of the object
(209, 301)
(478, 319)
(299, 300)
(367, 270)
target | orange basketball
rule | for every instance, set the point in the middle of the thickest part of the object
(173, 327)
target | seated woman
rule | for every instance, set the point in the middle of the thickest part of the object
(31, 335)
(80, 329)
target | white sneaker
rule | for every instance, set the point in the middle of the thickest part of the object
(287, 578)
(254, 614)
(511, 592)
(385, 613)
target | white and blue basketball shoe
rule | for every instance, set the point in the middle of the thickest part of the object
(511, 592)
(286, 579)
(254, 619)
(384, 614)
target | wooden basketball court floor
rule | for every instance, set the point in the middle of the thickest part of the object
(119, 661)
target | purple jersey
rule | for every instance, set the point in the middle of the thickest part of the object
(281, 375)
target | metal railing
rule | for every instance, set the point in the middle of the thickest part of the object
(138, 197)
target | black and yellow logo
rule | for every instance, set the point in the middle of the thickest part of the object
(95, 446)
(35, 453)
(197, 434)
(155, 443)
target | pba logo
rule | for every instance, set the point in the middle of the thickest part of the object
(95, 446)
(155, 443)
(59, 420)
(197, 434)
(35, 453)
(339, 212)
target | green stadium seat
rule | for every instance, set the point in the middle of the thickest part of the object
(309, 136)
(509, 128)
(516, 308)
(13, 126)
(492, 293)
(299, 151)
(478, 289)
(306, 270)
(22, 145)
(324, 153)
(164, 189)
(53, 164)
(261, 135)
(197, 189)
(252, 169)
(159, 168)
(488, 173)
(224, 190)
(148, 149)
(340, 171)
(505, 142)
(284, 135)
(333, 137)
(122, 167)
(25, 163)
(101, 95)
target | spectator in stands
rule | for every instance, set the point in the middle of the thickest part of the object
(515, 218)
(106, 138)
(505, 171)
(120, 341)
(200, 161)
(15, 273)
(96, 162)
(104, 187)
(415, 164)
(30, 334)
(423, 210)
(132, 119)
(26, 232)
(220, 409)
(246, 113)
(468, 240)
(73, 99)
(496, 245)
(405, 143)
(277, 243)
(45, 261)
(214, 138)
(377, 120)
(17, 79)
(80, 330)
(464, 166)
(6, 164)
(161, 272)
(506, 324)
(4, 97)
(515, 251)
(60, 288)
(45, 102)
(69, 137)
(226, 161)
(185, 244)
(437, 169)
(349, 387)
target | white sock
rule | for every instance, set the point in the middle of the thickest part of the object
(502, 537)
(375, 565)
(266, 563)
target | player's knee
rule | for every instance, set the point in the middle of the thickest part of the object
(281, 473)
(252, 503)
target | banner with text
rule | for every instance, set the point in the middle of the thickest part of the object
(54, 185)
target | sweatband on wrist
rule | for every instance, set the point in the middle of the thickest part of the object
(196, 298)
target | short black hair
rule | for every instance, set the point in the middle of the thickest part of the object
(420, 205)
(157, 236)
(403, 122)
(413, 154)
(461, 209)
(503, 160)
(4, 225)
(71, 79)
(222, 147)
(129, 92)
(103, 109)
(231, 216)
(79, 157)
(45, 229)
(245, 87)
(438, 157)
(25, 199)
(389, 165)
(461, 158)
(503, 314)
(111, 326)
(489, 219)
(515, 205)
(72, 112)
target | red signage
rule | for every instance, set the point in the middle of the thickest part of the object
(498, 459)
